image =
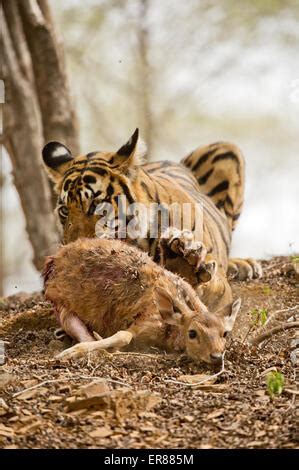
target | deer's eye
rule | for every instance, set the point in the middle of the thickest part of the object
(192, 334)
(225, 334)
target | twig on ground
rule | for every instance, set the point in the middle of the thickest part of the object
(173, 381)
(66, 379)
(247, 334)
(291, 391)
(133, 353)
(260, 338)
(284, 310)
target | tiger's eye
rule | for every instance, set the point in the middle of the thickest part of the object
(63, 211)
(192, 334)
(92, 208)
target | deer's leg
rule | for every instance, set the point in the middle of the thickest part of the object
(116, 341)
(73, 326)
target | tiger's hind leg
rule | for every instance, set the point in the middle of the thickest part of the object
(244, 269)
(219, 171)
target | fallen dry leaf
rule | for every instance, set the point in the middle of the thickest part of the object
(149, 428)
(216, 388)
(94, 388)
(122, 402)
(4, 408)
(260, 393)
(26, 419)
(29, 383)
(215, 414)
(29, 428)
(6, 379)
(147, 414)
(5, 431)
(55, 398)
(260, 434)
(14, 419)
(101, 432)
(192, 379)
(189, 418)
(28, 394)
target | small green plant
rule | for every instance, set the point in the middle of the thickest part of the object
(267, 290)
(275, 383)
(295, 259)
(259, 317)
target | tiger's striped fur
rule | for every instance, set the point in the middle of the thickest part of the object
(219, 171)
(85, 181)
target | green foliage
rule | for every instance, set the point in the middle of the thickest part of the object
(259, 317)
(275, 383)
(295, 259)
(267, 290)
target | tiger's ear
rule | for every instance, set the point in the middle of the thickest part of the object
(128, 154)
(57, 158)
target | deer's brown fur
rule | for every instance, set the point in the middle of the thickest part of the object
(117, 291)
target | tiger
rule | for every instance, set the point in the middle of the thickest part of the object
(211, 177)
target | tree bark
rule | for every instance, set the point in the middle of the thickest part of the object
(1, 223)
(57, 112)
(38, 108)
(145, 75)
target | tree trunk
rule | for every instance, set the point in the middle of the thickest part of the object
(57, 112)
(145, 75)
(38, 108)
(1, 222)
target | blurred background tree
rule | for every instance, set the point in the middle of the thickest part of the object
(38, 108)
(187, 73)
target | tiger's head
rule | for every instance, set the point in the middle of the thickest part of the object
(83, 183)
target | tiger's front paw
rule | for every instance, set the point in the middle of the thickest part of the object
(207, 271)
(175, 242)
(244, 269)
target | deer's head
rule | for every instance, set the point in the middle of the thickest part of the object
(205, 333)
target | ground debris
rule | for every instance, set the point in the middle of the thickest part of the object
(125, 401)
(121, 402)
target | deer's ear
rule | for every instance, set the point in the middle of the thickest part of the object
(57, 159)
(165, 306)
(229, 314)
(126, 155)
